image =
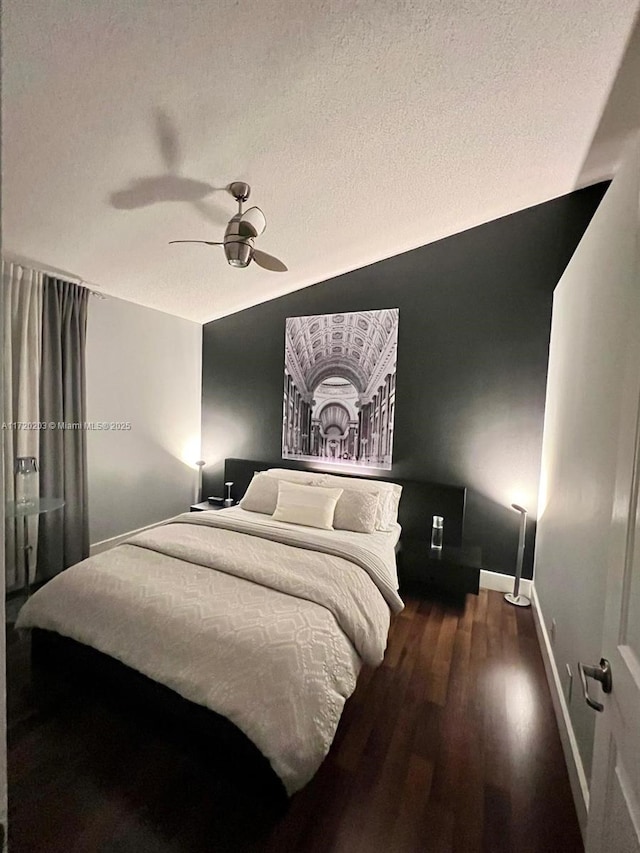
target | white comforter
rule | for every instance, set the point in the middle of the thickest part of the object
(269, 632)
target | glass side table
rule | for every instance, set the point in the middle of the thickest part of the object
(24, 511)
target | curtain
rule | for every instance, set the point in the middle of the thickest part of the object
(22, 294)
(64, 535)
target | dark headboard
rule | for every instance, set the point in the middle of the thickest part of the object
(418, 504)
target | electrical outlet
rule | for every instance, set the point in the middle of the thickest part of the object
(552, 632)
(569, 683)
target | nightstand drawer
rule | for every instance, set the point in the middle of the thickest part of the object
(454, 571)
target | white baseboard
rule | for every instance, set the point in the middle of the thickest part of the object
(106, 544)
(577, 777)
(502, 583)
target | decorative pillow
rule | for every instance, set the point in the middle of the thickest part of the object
(306, 505)
(389, 496)
(261, 494)
(356, 511)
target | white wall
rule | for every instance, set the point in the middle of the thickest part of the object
(143, 367)
(3, 668)
(580, 437)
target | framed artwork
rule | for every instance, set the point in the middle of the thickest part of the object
(340, 388)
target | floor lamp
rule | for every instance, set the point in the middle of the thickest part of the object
(515, 597)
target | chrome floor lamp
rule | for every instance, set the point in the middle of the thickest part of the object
(515, 597)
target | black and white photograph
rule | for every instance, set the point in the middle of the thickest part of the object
(340, 387)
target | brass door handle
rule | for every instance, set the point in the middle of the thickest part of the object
(601, 673)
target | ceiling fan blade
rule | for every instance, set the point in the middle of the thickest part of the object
(252, 222)
(205, 242)
(268, 262)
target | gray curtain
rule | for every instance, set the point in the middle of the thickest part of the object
(64, 535)
(21, 311)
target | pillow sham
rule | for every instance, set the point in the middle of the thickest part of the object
(356, 511)
(308, 505)
(261, 494)
(389, 496)
(394, 505)
(290, 476)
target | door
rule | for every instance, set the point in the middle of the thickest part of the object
(614, 802)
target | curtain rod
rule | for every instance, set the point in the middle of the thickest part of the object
(28, 263)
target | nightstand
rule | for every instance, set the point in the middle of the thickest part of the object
(203, 506)
(454, 571)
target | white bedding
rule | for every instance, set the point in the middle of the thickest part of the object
(379, 541)
(269, 633)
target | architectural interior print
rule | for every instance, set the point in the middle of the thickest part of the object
(340, 387)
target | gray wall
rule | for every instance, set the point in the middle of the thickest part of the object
(144, 367)
(475, 313)
(581, 437)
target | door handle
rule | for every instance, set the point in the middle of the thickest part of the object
(601, 673)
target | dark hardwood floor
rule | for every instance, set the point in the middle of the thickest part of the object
(451, 745)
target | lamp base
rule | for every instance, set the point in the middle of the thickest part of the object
(518, 600)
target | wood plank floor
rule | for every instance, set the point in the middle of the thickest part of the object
(450, 746)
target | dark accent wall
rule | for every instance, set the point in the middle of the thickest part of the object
(475, 318)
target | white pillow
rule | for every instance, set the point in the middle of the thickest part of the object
(394, 504)
(387, 512)
(306, 505)
(288, 476)
(356, 511)
(261, 494)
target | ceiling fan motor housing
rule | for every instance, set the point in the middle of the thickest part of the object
(238, 246)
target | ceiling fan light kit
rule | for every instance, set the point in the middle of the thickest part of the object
(240, 233)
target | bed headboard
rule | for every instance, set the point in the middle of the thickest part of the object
(418, 504)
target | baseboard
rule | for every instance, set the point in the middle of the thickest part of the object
(502, 583)
(106, 544)
(577, 777)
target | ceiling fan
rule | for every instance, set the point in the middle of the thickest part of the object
(241, 231)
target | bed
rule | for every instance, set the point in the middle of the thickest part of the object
(264, 621)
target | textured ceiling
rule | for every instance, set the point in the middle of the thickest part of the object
(365, 127)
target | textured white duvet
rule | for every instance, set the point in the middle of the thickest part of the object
(270, 632)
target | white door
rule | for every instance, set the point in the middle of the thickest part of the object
(614, 803)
